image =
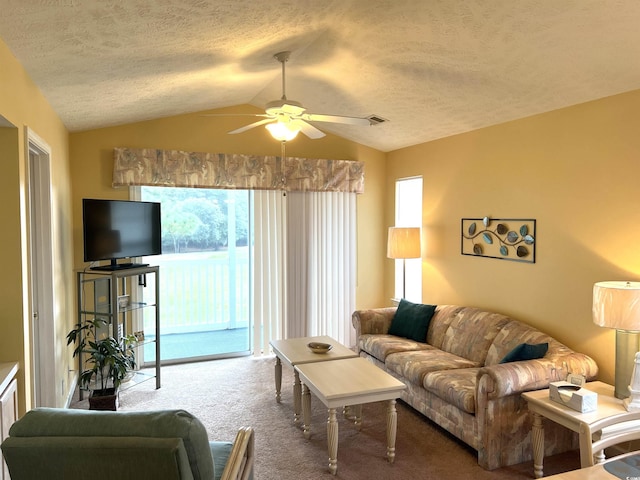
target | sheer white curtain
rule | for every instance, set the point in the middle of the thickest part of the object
(321, 272)
(269, 268)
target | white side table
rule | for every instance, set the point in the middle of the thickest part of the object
(541, 406)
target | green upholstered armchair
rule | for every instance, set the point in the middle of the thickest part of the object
(68, 444)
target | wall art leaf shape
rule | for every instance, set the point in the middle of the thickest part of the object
(522, 251)
(512, 237)
(504, 250)
(472, 228)
(502, 229)
(477, 249)
(487, 238)
(528, 239)
(524, 230)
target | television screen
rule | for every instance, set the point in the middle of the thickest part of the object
(115, 229)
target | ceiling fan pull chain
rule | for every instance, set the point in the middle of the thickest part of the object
(282, 154)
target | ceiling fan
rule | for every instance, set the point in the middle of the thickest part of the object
(284, 118)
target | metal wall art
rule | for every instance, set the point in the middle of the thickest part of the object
(502, 238)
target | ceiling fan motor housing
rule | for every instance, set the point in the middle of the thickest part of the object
(284, 106)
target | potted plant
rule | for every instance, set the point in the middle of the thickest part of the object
(107, 360)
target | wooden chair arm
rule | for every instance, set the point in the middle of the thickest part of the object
(239, 466)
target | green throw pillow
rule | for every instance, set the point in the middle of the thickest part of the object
(411, 320)
(526, 351)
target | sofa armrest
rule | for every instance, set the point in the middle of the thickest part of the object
(374, 320)
(239, 465)
(517, 377)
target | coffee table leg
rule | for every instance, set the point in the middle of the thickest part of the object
(332, 439)
(297, 397)
(392, 426)
(278, 378)
(357, 416)
(306, 411)
(537, 437)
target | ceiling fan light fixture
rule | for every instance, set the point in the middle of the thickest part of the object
(283, 132)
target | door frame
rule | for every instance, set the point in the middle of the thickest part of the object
(40, 255)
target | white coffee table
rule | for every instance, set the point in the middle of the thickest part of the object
(349, 382)
(294, 351)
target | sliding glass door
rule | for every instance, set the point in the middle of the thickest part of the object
(205, 273)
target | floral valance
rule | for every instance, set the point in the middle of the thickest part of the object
(173, 168)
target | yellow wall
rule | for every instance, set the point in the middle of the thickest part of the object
(91, 154)
(22, 105)
(576, 172)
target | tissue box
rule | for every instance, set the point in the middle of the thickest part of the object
(573, 396)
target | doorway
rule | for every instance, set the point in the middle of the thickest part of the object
(205, 273)
(41, 270)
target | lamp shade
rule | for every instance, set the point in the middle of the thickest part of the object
(617, 305)
(403, 242)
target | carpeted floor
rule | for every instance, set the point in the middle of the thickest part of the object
(227, 394)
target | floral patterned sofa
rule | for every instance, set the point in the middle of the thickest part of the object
(455, 376)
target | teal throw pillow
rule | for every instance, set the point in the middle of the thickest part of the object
(411, 320)
(526, 351)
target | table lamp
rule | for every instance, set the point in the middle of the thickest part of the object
(403, 243)
(617, 305)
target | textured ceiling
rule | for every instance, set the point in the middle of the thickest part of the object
(433, 68)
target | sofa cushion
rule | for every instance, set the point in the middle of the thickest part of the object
(379, 346)
(440, 324)
(411, 320)
(220, 452)
(415, 365)
(471, 333)
(59, 422)
(457, 387)
(526, 351)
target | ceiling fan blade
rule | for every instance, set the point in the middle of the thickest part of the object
(315, 117)
(235, 115)
(252, 125)
(309, 130)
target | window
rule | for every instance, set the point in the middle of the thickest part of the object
(409, 214)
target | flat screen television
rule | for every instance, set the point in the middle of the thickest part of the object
(117, 229)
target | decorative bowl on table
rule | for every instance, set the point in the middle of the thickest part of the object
(319, 347)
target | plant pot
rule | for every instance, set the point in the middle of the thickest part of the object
(106, 399)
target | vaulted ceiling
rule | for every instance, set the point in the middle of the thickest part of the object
(432, 68)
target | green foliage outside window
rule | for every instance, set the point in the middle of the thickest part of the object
(197, 219)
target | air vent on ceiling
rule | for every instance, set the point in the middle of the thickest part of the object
(376, 120)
